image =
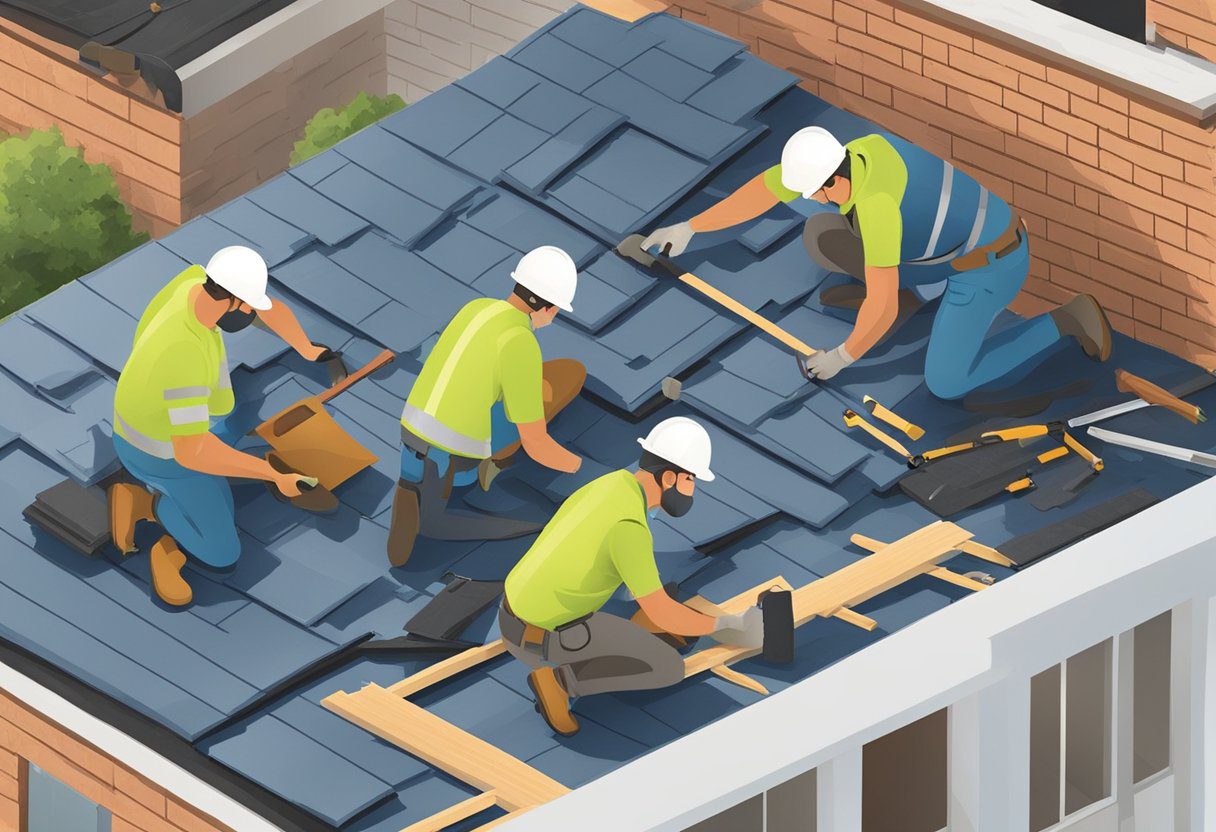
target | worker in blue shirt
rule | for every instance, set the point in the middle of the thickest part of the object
(910, 227)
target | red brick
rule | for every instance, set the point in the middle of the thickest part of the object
(1185, 194)
(9, 787)
(140, 790)
(9, 764)
(1194, 331)
(1116, 165)
(1058, 232)
(1113, 301)
(1156, 337)
(849, 15)
(1188, 150)
(878, 7)
(973, 64)
(1142, 156)
(1201, 175)
(1026, 65)
(118, 103)
(58, 739)
(1043, 91)
(1073, 126)
(935, 50)
(1082, 152)
(156, 121)
(1042, 134)
(1147, 312)
(1087, 198)
(914, 62)
(1060, 188)
(189, 819)
(1147, 179)
(877, 91)
(893, 33)
(1137, 286)
(1112, 99)
(962, 81)
(1143, 133)
(1022, 104)
(1125, 214)
(10, 815)
(902, 79)
(850, 80)
(928, 28)
(1170, 232)
(990, 113)
(1200, 221)
(1001, 164)
(1098, 115)
(871, 46)
(955, 123)
(1070, 82)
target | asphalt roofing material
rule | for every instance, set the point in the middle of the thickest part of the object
(376, 243)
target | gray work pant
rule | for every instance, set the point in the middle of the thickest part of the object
(602, 654)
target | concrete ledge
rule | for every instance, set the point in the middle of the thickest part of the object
(242, 59)
(1180, 83)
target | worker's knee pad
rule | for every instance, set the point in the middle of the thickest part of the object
(670, 670)
(221, 549)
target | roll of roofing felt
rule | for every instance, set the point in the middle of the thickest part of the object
(778, 608)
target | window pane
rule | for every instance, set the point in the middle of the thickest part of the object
(904, 778)
(791, 806)
(57, 807)
(1087, 725)
(1151, 697)
(748, 816)
(1045, 749)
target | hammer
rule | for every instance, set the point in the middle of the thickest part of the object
(631, 248)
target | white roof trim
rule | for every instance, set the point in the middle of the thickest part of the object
(1168, 76)
(244, 58)
(171, 777)
(1103, 585)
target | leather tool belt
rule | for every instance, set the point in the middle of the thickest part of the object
(422, 449)
(530, 635)
(1004, 244)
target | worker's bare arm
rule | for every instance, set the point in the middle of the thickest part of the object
(283, 323)
(538, 444)
(748, 202)
(208, 454)
(671, 616)
(878, 311)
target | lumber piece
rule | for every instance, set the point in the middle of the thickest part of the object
(754, 318)
(892, 565)
(979, 550)
(443, 745)
(855, 618)
(740, 679)
(462, 661)
(944, 574)
(701, 604)
(463, 810)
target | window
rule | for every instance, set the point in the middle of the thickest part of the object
(904, 778)
(747, 816)
(1071, 718)
(789, 807)
(1122, 17)
(53, 806)
(1151, 698)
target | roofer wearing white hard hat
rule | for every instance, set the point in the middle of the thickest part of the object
(911, 228)
(484, 392)
(172, 386)
(598, 540)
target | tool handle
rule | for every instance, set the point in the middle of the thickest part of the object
(913, 432)
(366, 370)
(755, 319)
(1151, 393)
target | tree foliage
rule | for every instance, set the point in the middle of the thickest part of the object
(330, 126)
(60, 217)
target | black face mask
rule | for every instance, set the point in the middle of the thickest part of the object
(675, 502)
(234, 320)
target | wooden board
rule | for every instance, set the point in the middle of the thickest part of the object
(905, 558)
(450, 749)
(454, 814)
(740, 679)
(462, 661)
(944, 574)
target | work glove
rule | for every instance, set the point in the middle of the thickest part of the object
(743, 630)
(825, 364)
(674, 236)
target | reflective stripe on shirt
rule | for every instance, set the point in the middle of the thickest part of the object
(425, 425)
(137, 440)
(453, 358)
(197, 392)
(943, 208)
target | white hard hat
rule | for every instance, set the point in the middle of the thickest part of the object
(550, 273)
(809, 159)
(241, 271)
(682, 442)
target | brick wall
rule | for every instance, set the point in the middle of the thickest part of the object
(40, 87)
(1190, 24)
(246, 138)
(433, 42)
(137, 804)
(1118, 193)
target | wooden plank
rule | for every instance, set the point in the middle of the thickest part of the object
(450, 749)
(754, 318)
(855, 618)
(740, 679)
(462, 661)
(454, 814)
(703, 605)
(979, 550)
(944, 574)
(892, 565)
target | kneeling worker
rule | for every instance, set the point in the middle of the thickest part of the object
(174, 382)
(482, 394)
(599, 539)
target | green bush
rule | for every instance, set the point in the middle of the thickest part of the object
(60, 217)
(330, 126)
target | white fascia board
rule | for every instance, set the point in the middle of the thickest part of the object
(1096, 588)
(169, 776)
(247, 56)
(1168, 76)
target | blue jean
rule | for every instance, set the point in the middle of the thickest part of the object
(503, 432)
(195, 509)
(960, 357)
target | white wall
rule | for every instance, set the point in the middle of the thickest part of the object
(433, 42)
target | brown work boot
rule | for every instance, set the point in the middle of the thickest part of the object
(1082, 318)
(167, 561)
(403, 530)
(553, 701)
(128, 505)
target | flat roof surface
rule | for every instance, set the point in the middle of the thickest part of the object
(587, 131)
